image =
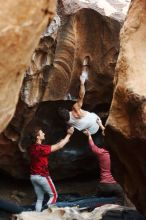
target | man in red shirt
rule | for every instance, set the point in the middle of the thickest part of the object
(40, 176)
(107, 187)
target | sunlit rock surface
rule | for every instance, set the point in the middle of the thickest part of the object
(116, 9)
(20, 31)
(126, 125)
(65, 214)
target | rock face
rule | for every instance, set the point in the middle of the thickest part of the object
(116, 9)
(41, 60)
(126, 125)
(48, 70)
(73, 43)
(20, 31)
(11, 157)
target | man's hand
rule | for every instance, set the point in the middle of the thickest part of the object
(99, 122)
(70, 130)
(103, 133)
(87, 133)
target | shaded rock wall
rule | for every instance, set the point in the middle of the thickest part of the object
(36, 75)
(20, 31)
(73, 43)
(126, 125)
(69, 162)
(11, 159)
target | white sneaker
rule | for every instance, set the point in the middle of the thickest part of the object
(52, 206)
(84, 77)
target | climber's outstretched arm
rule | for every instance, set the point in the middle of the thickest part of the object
(78, 105)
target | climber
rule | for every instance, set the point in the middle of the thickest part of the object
(40, 176)
(107, 187)
(77, 117)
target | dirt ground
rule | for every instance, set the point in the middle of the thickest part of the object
(21, 192)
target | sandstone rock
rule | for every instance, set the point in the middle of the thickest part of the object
(73, 43)
(10, 157)
(65, 214)
(60, 76)
(126, 125)
(20, 29)
(116, 9)
(42, 58)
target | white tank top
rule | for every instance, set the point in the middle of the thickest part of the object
(86, 122)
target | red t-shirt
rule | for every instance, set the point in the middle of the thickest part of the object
(39, 159)
(104, 163)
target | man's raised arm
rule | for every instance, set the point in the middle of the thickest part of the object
(64, 141)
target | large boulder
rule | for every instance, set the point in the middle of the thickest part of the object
(126, 125)
(20, 29)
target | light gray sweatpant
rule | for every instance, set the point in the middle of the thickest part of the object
(43, 185)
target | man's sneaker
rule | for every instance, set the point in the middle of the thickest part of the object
(50, 206)
(83, 77)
